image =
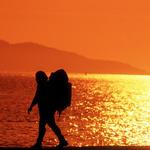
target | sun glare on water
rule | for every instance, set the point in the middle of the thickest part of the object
(106, 110)
(115, 109)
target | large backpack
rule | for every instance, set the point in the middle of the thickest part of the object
(61, 90)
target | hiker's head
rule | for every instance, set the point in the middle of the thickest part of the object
(41, 77)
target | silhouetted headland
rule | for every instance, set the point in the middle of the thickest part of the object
(72, 62)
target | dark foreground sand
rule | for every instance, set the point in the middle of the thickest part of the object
(87, 148)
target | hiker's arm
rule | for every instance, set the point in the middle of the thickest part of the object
(34, 102)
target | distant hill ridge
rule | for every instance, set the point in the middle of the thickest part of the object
(27, 57)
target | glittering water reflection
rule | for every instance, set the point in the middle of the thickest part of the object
(106, 110)
(115, 109)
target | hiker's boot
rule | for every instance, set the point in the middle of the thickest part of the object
(62, 144)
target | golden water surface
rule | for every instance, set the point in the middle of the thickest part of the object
(115, 109)
(106, 110)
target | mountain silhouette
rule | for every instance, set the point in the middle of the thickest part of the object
(28, 57)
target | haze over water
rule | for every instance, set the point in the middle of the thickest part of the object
(106, 110)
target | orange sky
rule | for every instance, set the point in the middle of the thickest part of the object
(104, 29)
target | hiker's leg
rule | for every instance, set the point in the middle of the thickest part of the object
(51, 122)
(42, 131)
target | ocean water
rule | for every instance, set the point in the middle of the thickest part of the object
(106, 110)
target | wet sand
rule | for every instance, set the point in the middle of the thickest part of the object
(86, 148)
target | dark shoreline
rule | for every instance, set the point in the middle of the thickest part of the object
(86, 148)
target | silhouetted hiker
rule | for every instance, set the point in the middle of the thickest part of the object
(46, 110)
